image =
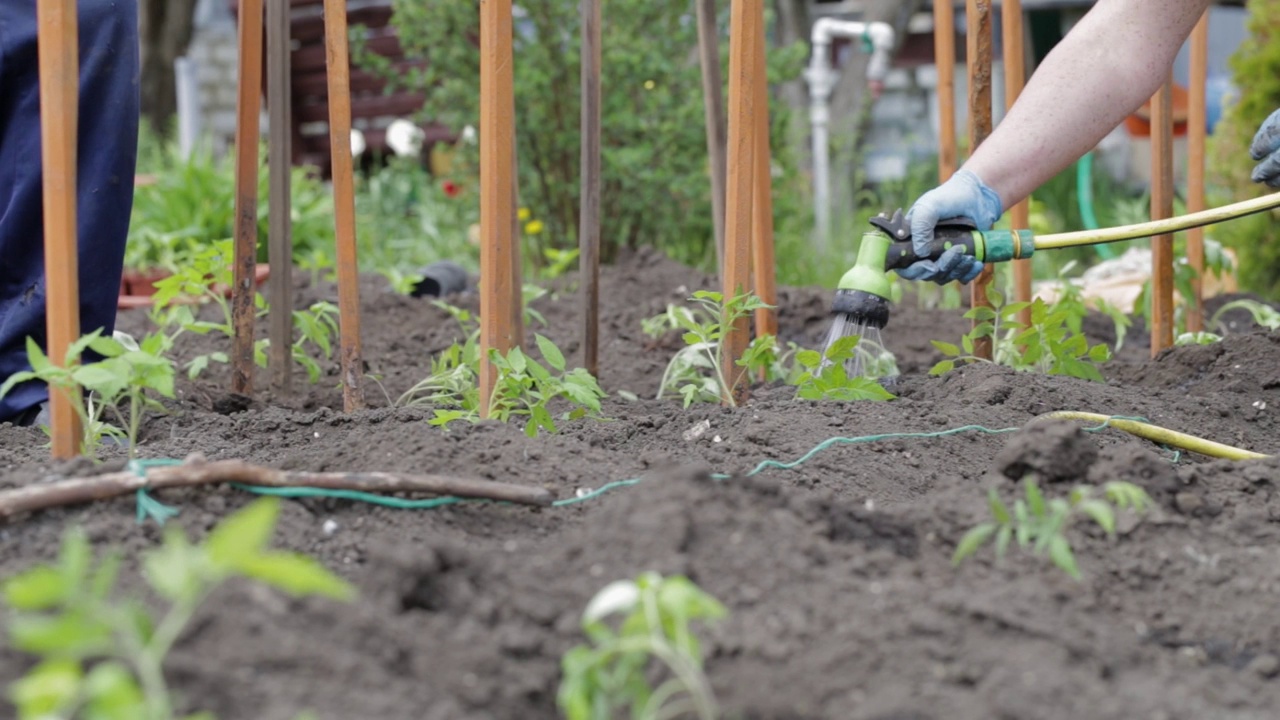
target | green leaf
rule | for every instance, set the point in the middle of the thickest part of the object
(971, 541)
(999, 510)
(174, 569)
(243, 535)
(946, 348)
(981, 314)
(1035, 501)
(967, 343)
(72, 634)
(943, 367)
(1101, 513)
(1002, 540)
(843, 349)
(519, 363)
(47, 690)
(1099, 353)
(101, 379)
(39, 588)
(1061, 555)
(296, 574)
(550, 353)
(37, 359)
(105, 346)
(809, 358)
(113, 693)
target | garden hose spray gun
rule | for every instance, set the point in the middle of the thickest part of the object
(862, 297)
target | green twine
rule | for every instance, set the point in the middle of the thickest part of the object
(149, 507)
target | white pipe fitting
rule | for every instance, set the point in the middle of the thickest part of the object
(821, 77)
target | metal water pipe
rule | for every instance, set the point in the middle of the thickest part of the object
(877, 39)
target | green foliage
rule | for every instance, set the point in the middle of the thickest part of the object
(121, 382)
(101, 657)
(1255, 74)
(826, 376)
(610, 676)
(192, 204)
(203, 278)
(695, 371)
(655, 172)
(1052, 343)
(1041, 525)
(1263, 315)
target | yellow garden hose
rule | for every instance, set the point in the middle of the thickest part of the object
(1161, 435)
(1158, 227)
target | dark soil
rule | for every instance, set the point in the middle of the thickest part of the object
(843, 601)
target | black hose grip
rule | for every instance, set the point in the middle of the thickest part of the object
(946, 235)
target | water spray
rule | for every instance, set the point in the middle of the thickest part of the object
(861, 304)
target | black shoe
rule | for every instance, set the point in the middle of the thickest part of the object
(33, 416)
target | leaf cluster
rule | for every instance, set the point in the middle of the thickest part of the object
(611, 674)
(1040, 525)
(1052, 343)
(121, 381)
(100, 657)
(826, 375)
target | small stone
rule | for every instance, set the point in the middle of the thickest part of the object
(717, 439)
(1260, 404)
(1187, 503)
(697, 431)
(1265, 666)
(330, 526)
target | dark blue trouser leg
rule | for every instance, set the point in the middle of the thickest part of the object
(107, 157)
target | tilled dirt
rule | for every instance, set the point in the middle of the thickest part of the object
(836, 572)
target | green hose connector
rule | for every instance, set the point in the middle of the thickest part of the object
(868, 272)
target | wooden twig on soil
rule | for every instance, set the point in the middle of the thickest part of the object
(198, 472)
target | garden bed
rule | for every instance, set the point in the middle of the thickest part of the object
(843, 602)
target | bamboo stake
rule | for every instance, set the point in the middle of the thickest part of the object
(59, 63)
(197, 472)
(496, 190)
(248, 107)
(1197, 129)
(713, 111)
(1014, 79)
(589, 212)
(762, 204)
(344, 203)
(1162, 207)
(279, 164)
(978, 21)
(944, 51)
(744, 38)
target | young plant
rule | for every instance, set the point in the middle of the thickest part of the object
(1052, 343)
(695, 371)
(611, 675)
(451, 384)
(826, 376)
(119, 382)
(102, 657)
(1263, 315)
(1041, 525)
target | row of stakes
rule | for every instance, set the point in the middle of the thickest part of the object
(738, 141)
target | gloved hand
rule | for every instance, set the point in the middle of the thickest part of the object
(1266, 147)
(962, 196)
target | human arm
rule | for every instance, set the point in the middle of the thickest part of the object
(1107, 66)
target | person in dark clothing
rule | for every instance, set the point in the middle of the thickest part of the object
(106, 161)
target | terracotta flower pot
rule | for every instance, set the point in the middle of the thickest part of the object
(137, 287)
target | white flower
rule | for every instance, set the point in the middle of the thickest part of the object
(405, 138)
(358, 143)
(619, 596)
(469, 135)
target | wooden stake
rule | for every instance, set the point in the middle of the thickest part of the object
(978, 21)
(516, 283)
(713, 111)
(944, 52)
(1162, 207)
(197, 472)
(1014, 79)
(344, 201)
(1197, 129)
(497, 119)
(279, 165)
(248, 107)
(762, 203)
(59, 61)
(589, 211)
(744, 38)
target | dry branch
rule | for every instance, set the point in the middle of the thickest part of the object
(196, 472)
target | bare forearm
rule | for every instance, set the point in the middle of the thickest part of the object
(1106, 67)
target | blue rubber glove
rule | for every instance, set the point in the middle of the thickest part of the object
(1266, 147)
(962, 196)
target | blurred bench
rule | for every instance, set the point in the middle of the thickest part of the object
(372, 108)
